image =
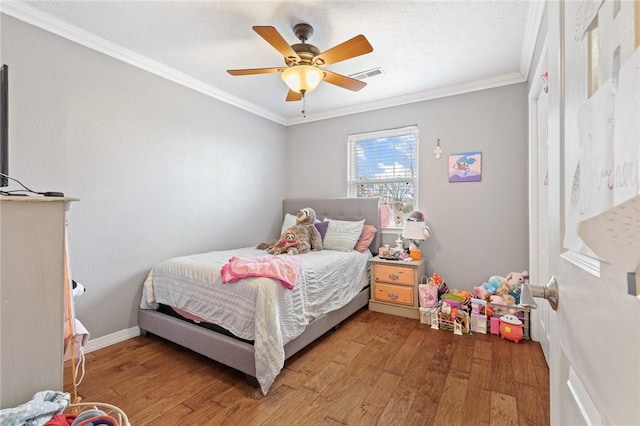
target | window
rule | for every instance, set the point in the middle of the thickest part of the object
(384, 164)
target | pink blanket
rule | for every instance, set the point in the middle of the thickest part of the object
(283, 268)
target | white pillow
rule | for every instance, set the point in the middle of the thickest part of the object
(288, 222)
(342, 235)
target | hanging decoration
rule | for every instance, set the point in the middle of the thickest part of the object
(438, 151)
(545, 82)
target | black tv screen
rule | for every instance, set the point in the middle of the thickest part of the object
(4, 125)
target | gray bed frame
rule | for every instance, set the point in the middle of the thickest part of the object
(238, 354)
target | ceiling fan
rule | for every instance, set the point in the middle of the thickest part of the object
(305, 63)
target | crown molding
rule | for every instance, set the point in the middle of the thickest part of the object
(474, 86)
(531, 33)
(26, 13)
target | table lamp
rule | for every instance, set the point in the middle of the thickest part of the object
(415, 231)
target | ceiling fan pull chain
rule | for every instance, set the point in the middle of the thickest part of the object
(304, 106)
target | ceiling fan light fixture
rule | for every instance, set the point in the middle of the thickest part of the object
(302, 78)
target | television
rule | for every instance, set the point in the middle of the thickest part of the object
(4, 125)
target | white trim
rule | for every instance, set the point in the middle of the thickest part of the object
(111, 339)
(581, 397)
(473, 86)
(531, 33)
(586, 263)
(37, 18)
(534, 186)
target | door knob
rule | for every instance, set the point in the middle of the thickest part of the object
(548, 291)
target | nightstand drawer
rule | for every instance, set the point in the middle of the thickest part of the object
(394, 274)
(393, 294)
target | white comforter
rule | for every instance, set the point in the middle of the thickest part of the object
(258, 309)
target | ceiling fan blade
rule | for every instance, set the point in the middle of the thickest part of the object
(273, 37)
(293, 96)
(343, 81)
(359, 45)
(250, 71)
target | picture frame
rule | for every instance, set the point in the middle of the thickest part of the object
(465, 166)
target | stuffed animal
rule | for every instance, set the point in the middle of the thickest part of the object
(286, 245)
(517, 278)
(504, 292)
(306, 234)
(480, 292)
(494, 283)
(78, 289)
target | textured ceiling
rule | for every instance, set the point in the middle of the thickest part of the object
(423, 47)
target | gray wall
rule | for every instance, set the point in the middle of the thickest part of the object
(479, 229)
(160, 170)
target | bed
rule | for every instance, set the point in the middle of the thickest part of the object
(254, 325)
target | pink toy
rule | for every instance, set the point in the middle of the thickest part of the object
(495, 325)
(480, 292)
(428, 295)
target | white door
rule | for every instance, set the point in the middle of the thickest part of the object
(539, 226)
(593, 338)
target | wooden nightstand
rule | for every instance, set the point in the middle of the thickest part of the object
(394, 286)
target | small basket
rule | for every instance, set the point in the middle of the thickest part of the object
(110, 410)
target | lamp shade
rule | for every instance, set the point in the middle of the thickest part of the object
(415, 230)
(302, 78)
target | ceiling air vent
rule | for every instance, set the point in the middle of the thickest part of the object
(367, 74)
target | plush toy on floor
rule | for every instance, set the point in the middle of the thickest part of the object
(494, 283)
(499, 290)
(517, 279)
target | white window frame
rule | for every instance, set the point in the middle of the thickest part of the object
(354, 145)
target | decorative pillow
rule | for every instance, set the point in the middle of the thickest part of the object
(322, 228)
(367, 235)
(342, 235)
(288, 222)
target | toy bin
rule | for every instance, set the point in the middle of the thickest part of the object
(446, 322)
(493, 312)
(98, 411)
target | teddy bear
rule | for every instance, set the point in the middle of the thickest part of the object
(307, 235)
(286, 245)
(504, 292)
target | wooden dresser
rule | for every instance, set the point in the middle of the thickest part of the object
(394, 286)
(32, 238)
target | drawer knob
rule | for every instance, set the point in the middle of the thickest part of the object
(394, 276)
(393, 296)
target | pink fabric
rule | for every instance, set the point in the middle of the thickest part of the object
(283, 268)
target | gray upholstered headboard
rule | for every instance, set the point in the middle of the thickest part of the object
(340, 209)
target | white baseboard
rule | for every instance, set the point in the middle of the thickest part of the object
(111, 339)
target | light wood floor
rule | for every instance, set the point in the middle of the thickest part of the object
(375, 369)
